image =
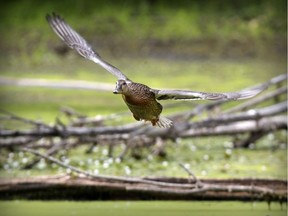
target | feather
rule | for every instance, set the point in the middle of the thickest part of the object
(78, 43)
(193, 95)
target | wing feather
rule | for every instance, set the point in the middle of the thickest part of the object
(78, 43)
(193, 95)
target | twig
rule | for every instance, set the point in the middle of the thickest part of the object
(103, 177)
(197, 181)
(56, 147)
(17, 141)
(71, 112)
(252, 138)
(27, 121)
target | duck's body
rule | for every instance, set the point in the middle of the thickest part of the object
(147, 110)
(142, 102)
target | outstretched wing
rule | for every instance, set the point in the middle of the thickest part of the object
(77, 42)
(192, 95)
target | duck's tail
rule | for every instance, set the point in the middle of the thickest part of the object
(164, 122)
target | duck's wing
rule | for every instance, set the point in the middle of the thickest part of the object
(78, 43)
(193, 95)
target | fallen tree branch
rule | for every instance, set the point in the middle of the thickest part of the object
(264, 124)
(56, 147)
(12, 116)
(196, 128)
(148, 186)
(254, 101)
(252, 138)
(209, 106)
(66, 187)
(17, 141)
(102, 177)
(71, 131)
(253, 114)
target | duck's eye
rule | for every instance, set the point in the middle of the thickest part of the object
(124, 83)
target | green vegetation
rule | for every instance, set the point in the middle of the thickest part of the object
(207, 157)
(196, 28)
(139, 208)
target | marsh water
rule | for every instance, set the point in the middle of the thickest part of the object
(140, 208)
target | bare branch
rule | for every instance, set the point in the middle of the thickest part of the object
(257, 100)
(264, 124)
(198, 182)
(27, 121)
(102, 177)
(253, 114)
(17, 141)
(152, 186)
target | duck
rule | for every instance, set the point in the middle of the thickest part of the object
(141, 100)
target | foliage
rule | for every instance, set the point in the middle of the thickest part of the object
(129, 25)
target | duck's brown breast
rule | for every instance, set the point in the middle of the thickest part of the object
(138, 94)
(145, 110)
(142, 103)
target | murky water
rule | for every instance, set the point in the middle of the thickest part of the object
(139, 208)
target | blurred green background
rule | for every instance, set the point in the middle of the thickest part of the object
(209, 45)
(201, 45)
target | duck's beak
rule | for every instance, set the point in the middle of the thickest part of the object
(117, 89)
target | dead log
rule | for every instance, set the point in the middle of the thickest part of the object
(70, 131)
(264, 124)
(134, 187)
(76, 188)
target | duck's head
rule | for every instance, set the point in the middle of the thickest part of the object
(121, 87)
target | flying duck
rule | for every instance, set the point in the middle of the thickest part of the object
(140, 99)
